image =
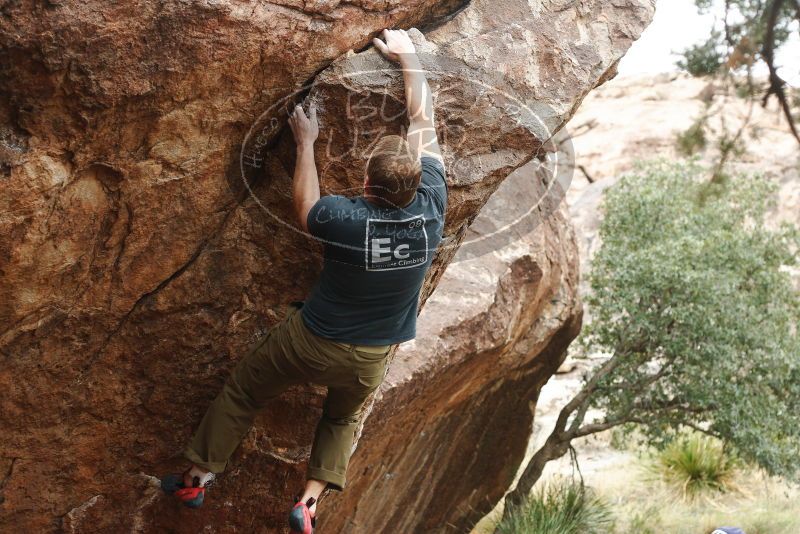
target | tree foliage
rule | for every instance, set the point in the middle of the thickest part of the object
(703, 59)
(694, 302)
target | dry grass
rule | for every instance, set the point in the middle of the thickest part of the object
(759, 505)
(642, 505)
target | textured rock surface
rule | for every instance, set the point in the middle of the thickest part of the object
(136, 266)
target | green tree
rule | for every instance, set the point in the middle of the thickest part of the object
(703, 59)
(693, 302)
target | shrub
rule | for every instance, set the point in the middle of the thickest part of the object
(691, 293)
(694, 304)
(694, 139)
(561, 507)
(696, 464)
(703, 59)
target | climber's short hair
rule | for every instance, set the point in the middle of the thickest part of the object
(394, 172)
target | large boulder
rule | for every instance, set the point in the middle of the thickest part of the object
(146, 238)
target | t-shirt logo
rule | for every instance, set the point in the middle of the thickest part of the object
(396, 244)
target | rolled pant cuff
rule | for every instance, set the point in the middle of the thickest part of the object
(335, 480)
(214, 467)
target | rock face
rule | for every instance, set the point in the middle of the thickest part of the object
(146, 239)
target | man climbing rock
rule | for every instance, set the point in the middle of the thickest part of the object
(378, 248)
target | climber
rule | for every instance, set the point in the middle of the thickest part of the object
(378, 249)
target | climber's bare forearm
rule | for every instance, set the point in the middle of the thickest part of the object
(305, 187)
(305, 184)
(419, 100)
(419, 105)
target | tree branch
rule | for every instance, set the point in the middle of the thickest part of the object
(586, 174)
(593, 428)
(579, 399)
(776, 83)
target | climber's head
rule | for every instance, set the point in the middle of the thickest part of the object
(393, 173)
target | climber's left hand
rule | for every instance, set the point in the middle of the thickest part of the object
(305, 129)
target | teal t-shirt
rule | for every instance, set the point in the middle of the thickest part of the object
(375, 262)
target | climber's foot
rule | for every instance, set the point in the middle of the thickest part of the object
(189, 486)
(302, 519)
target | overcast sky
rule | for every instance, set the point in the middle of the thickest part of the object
(678, 25)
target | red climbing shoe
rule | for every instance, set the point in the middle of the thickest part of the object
(301, 520)
(190, 496)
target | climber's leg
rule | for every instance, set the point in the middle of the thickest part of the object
(265, 371)
(333, 440)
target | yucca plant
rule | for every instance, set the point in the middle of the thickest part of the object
(560, 507)
(696, 464)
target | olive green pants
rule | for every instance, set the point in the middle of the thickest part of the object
(291, 354)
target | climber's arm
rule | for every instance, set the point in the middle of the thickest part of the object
(306, 182)
(419, 100)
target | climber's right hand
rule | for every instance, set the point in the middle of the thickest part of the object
(398, 44)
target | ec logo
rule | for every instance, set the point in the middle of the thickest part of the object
(396, 244)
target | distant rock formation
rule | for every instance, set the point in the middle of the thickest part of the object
(639, 117)
(146, 239)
